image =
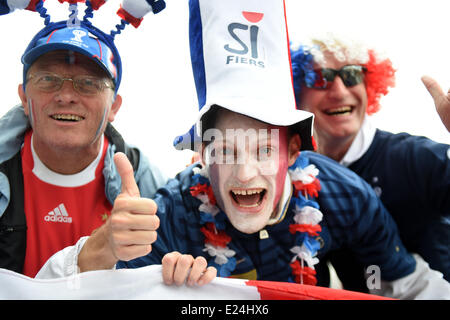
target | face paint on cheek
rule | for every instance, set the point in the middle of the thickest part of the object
(215, 180)
(282, 164)
(31, 115)
(100, 127)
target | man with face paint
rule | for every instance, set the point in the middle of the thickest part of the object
(249, 186)
(58, 177)
(257, 209)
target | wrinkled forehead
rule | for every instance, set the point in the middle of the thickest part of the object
(53, 60)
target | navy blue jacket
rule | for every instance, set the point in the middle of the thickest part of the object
(411, 175)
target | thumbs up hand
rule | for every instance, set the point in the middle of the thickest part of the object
(129, 231)
(133, 222)
(125, 170)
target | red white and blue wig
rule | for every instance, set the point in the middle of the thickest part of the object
(379, 77)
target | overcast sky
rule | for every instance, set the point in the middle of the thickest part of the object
(159, 99)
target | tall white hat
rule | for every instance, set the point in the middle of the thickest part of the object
(241, 62)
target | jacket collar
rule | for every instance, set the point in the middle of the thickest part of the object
(360, 144)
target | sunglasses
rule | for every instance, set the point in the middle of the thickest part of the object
(351, 75)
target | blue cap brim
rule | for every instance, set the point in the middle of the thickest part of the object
(95, 45)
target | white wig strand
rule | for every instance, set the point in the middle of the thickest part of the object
(343, 49)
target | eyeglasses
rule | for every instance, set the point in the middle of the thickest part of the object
(85, 85)
(351, 75)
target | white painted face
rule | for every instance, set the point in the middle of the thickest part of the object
(247, 164)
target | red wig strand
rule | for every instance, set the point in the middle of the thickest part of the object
(379, 77)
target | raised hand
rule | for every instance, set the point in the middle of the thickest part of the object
(129, 231)
(133, 222)
(441, 100)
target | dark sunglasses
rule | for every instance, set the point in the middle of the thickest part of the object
(351, 75)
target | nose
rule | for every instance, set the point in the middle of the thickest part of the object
(67, 94)
(247, 170)
(337, 90)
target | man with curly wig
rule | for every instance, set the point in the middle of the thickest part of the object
(341, 82)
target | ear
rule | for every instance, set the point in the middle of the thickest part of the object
(294, 148)
(23, 99)
(115, 107)
(202, 154)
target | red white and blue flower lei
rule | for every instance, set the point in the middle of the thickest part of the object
(305, 226)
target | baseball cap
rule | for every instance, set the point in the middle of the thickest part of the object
(84, 39)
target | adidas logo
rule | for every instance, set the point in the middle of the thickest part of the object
(59, 214)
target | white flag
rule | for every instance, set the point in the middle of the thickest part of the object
(146, 283)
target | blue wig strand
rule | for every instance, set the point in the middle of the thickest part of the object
(302, 68)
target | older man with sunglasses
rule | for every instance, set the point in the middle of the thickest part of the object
(341, 82)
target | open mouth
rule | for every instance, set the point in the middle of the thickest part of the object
(67, 117)
(248, 198)
(339, 111)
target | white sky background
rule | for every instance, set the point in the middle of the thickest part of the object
(159, 98)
